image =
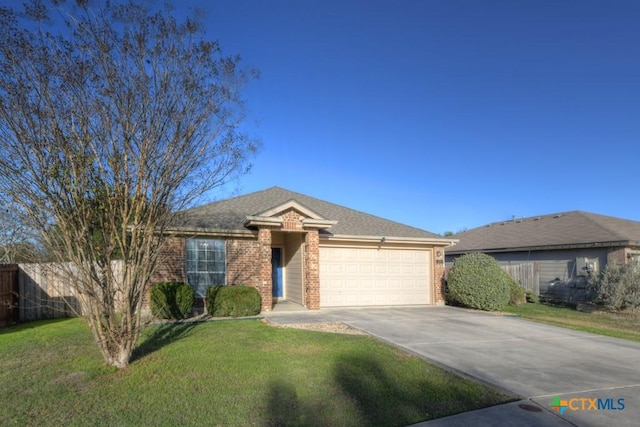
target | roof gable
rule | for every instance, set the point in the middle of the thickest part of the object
(567, 229)
(291, 204)
(231, 214)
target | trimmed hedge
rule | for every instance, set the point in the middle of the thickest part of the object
(233, 301)
(477, 281)
(172, 300)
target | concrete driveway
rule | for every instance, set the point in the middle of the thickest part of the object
(597, 377)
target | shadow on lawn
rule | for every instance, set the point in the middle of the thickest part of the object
(157, 337)
(284, 408)
(32, 324)
(380, 399)
(370, 396)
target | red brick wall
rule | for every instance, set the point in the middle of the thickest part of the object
(312, 270)
(292, 220)
(438, 275)
(170, 266)
(264, 285)
(616, 256)
(243, 262)
(249, 263)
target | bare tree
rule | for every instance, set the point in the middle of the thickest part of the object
(112, 118)
(16, 239)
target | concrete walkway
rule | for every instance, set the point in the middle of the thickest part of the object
(535, 362)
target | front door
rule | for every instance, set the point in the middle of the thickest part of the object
(276, 272)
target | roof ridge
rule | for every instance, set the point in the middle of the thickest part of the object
(594, 218)
(557, 229)
(238, 196)
(516, 220)
(230, 212)
(355, 210)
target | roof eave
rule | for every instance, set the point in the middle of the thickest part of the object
(388, 239)
(256, 221)
(318, 223)
(213, 232)
(620, 243)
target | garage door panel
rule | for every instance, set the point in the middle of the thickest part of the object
(373, 276)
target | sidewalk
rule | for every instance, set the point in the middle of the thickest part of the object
(523, 413)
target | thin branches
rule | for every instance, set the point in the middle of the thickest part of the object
(109, 123)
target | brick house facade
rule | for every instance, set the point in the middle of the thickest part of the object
(303, 229)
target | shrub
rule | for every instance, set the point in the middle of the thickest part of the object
(233, 301)
(477, 281)
(532, 297)
(172, 300)
(517, 295)
(618, 287)
(185, 296)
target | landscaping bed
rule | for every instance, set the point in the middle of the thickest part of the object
(333, 327)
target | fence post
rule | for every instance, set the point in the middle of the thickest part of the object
(9, 313)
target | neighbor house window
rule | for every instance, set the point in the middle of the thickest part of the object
(206, 264)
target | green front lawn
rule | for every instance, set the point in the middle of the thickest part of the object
(597, 323)
(228, 373)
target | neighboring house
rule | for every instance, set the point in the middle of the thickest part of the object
(565, 247)
(308, 251)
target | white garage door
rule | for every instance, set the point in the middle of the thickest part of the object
(372, 276)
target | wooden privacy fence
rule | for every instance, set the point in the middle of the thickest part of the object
(8, 294)
(526, 274)
(47, 291)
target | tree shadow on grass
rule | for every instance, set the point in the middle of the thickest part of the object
(368, 392)
(159, 336)
(285, 409)
(383, 400)
(379, 400)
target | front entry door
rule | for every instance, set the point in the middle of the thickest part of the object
(276, 272)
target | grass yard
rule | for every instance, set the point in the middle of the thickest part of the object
(227, 373)
(601, 323)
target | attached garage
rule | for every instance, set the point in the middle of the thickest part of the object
(370, 276)
(305, 251)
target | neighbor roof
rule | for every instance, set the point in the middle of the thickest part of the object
(568, 229)
(230, 215)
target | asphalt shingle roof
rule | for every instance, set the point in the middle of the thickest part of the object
(561, 229)
(230, 214)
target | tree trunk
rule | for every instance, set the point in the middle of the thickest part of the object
(121, 356)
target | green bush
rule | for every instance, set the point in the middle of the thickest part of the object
(185, 297)
(172, 300)
(532, 297)
(618, 287)
(233, 301)
(517, 295)
(477, 281)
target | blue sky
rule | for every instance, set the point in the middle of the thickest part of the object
(445, 114)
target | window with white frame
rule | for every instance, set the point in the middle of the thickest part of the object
(206, 264)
